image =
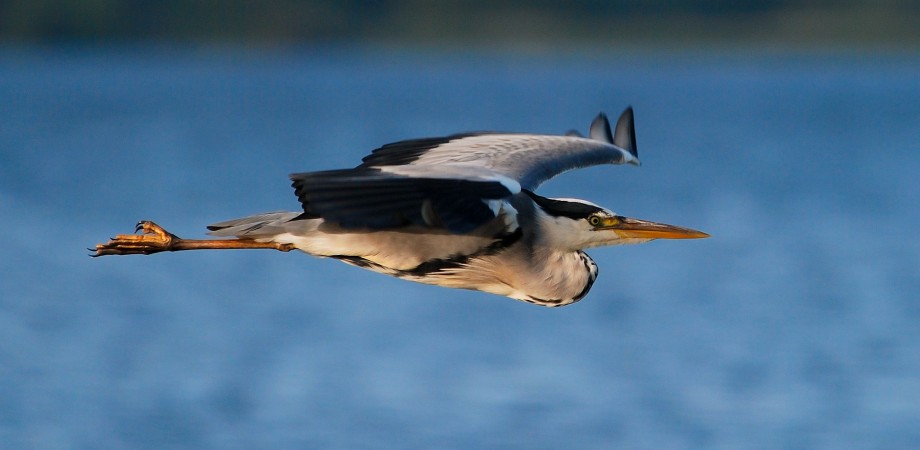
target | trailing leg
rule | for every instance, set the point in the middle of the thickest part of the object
(155, 239)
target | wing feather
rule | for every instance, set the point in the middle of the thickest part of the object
(530, 159)
(379, 199)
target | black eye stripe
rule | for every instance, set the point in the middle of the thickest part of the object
(572, 210)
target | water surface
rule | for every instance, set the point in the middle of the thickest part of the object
(794, 326)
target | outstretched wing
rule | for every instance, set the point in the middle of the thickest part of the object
(455, 182)
(459, 199)
(528, 158)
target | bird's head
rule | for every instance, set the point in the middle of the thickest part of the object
(579, 224)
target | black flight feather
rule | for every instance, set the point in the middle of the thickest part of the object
(371, 198)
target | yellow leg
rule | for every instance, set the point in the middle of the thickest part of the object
(155, 239)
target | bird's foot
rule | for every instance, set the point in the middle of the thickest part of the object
(154, 239)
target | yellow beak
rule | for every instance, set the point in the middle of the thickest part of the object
(627, 227)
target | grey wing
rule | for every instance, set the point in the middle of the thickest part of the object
(529, 159)
(383, 198)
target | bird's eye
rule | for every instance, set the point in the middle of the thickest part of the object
(594, 220)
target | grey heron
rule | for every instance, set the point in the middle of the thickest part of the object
(458, 211)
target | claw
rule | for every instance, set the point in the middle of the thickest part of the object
(152, 239)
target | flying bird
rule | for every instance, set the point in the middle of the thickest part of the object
(458, 211)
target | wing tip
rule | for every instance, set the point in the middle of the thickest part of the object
(600, 129)
(624, 135)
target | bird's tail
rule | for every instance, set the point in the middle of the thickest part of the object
(254, 227)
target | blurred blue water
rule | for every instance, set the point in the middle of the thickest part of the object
(794, 326)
